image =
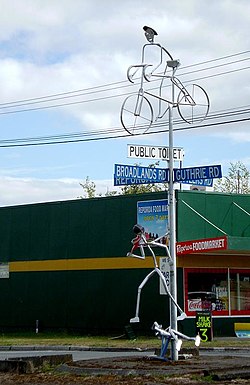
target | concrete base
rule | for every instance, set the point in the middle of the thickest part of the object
(33, 364)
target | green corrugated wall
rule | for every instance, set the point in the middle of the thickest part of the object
(217, 208)
(102, 300)
(92, 300)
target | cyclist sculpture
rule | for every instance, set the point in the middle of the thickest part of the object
(137, 112)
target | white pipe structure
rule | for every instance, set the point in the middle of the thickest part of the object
(141, 242)
(172, 334)
(137, 116)
(174, 64)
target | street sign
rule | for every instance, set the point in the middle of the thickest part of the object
(193, 173)
(127, 175)
(200, 182)
(201, 245)
(154, 152)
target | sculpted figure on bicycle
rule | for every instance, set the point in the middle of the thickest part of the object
(143, 108)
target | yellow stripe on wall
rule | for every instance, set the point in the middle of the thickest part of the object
(127, 263)
(81, 264)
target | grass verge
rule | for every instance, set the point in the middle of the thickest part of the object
(143, 342)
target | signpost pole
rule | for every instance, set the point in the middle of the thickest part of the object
(172, 226)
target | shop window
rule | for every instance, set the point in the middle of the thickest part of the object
(206, 289)
(240, 291)
(222, 291)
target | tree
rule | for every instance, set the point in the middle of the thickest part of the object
(237, 180)
(144, 188)
(89, 187)
(140, 188)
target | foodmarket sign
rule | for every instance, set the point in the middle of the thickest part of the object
(201, 245)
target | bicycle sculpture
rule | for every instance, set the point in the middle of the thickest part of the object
(140, 243)
(137, 112)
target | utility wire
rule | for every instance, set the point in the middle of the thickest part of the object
(120, 136)
(111, 96)
(113, 133)
(108, 87)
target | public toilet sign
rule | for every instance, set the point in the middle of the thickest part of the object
(154, 152)
(128, 174)
(201, 245)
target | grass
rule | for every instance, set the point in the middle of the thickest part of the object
(8, 339)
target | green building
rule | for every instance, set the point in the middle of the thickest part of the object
(64, 264)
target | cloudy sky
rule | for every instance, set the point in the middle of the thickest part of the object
(63, 67)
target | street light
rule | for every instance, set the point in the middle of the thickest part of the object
(174, 64)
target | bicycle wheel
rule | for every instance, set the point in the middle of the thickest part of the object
(136, 114)
(193, 104)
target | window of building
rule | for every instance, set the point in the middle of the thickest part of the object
(222, 291)
(240, 291)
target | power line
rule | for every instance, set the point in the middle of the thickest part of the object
(111, 96)
(105, 88)
(113, 133)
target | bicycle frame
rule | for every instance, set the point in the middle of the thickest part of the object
(137, 113)
(144, 76)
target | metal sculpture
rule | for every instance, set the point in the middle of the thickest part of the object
(137, 113)
(140, 243)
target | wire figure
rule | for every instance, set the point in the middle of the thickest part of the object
(142, 109)
(150, 33)
(141, 241)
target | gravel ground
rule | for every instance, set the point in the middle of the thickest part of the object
(224, 370)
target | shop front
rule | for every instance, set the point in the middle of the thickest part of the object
(213, 253)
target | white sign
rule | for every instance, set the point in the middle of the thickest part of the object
(154, 152)
(165, 269)
(4, 270)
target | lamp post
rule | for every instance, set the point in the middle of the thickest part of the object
(174, 64)
(138, 118)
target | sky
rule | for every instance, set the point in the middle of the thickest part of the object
(63, 76)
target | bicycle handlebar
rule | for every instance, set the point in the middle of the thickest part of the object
(143, 66)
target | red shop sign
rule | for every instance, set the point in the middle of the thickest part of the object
(201, 245)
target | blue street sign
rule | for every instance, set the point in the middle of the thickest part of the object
(200, 182)
(127, 175)
(194, 173)
(202, 176)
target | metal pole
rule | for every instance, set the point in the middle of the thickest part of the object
(172, 229)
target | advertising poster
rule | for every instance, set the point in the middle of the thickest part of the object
(153, 216)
